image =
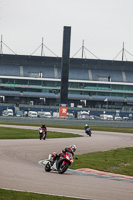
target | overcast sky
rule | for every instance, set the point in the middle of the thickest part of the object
(103, 25)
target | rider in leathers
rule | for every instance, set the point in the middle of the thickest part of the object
(45, 129)
(70, 149)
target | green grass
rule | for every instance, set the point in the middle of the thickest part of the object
(113, 129)
(119, 161)
(17, 133)
(94, 128)
(14, 195)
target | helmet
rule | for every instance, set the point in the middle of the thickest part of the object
(43, 125)
(86, 126)
(73, 148)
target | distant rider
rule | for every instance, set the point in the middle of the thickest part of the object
(45, 129)
(87, 129)
(86, 126)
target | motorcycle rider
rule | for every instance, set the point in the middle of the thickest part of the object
(87, 129)
(70, 149)
(86, 126)
(45, 129)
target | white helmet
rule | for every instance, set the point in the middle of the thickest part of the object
(73, 148)
(86, 126)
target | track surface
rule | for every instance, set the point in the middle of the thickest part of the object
(19, 168)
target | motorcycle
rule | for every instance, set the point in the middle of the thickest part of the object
(88, 131)
(42, 134)
(60, 164)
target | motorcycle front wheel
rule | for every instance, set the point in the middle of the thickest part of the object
(40, 135)
(47, 167)
(62, 168)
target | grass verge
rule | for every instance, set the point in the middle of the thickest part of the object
(12, 195)
(94, 128)
(119, 161)
(17, 133)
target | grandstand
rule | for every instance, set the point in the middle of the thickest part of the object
(92, 83)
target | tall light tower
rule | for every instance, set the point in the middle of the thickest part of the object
(65, 71)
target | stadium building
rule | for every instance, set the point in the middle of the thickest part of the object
(92, 83)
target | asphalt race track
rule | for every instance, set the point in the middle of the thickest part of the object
(19, 168)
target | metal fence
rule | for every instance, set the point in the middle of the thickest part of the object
(59, 121)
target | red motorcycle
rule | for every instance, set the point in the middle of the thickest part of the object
(42, 134)
(64, 162)
(60, 164)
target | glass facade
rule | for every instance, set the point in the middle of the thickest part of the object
(85, 88)
(76, 88)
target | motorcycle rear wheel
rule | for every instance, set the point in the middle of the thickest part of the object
(89, 134)
(47, 167)
(62, 169)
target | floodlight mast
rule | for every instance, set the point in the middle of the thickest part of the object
(1, 51)
(65, 65)
(123, 52)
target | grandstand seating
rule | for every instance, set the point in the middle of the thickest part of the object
(116, 99)
(77, 96)
(33, 71)
(9, 93)
(109, 98)
(74, 73)
(130, 99)
(38, 94)
(9, 70)
(78, 73)
(89, 79)
(103, 75)
(129, 76)
(98, 98)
